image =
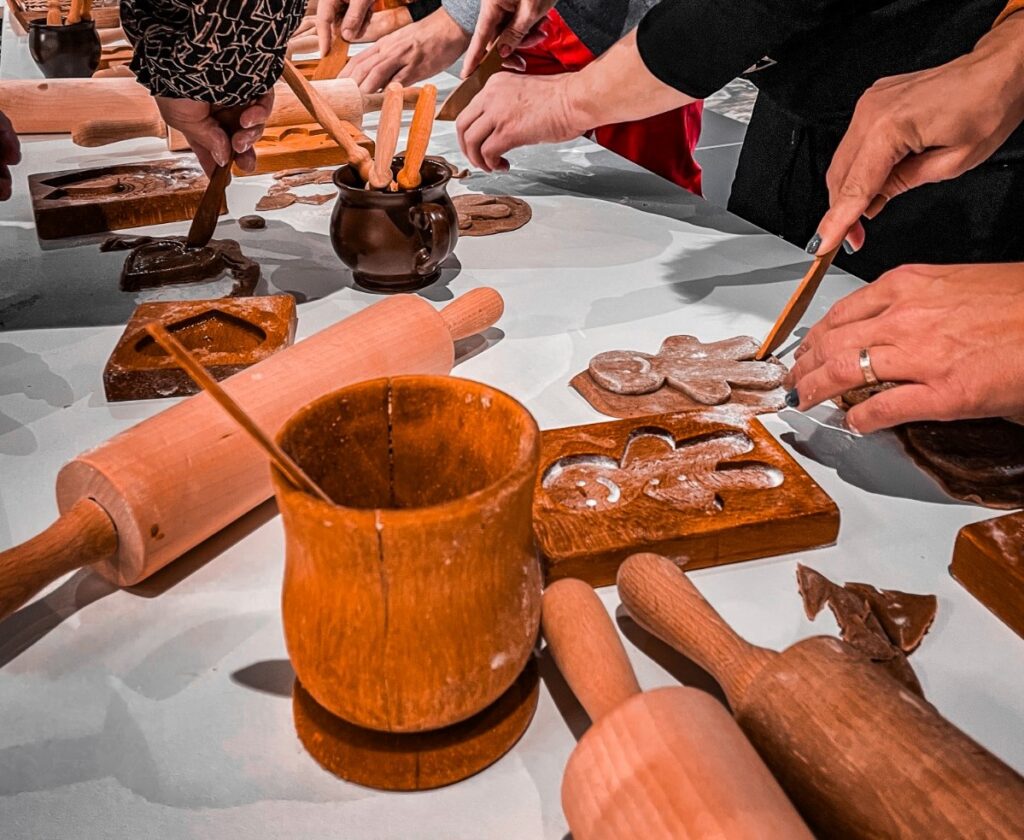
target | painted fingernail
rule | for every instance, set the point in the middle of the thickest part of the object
(792, 398)
(848, 247)
(814, 244)
(220, 159)
(504, 50)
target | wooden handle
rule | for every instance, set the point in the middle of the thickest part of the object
(387, 136)
(586, 647)
(332, 64)
(83, 535)
(95, 133)
(796, 306)
(664, 602)
(75, 12)
(374, 101)
(419, 138)
(322, 113)
(205, 220)
(53, 13)
(473, 313)
(86, 9)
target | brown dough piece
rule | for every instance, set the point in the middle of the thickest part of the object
(252, 222)
(316, 198)
(168, 261)
(482, 215)
(905, 617)
(276, 201)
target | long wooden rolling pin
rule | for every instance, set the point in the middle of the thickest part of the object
(152, 492)
(858, 754)
(667, 764)
(57, 106)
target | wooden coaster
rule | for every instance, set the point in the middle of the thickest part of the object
(987, 562)
(226, 335)
(684, 374)
(711, 487)
(77, 202)
(423, 760)
(482, 215)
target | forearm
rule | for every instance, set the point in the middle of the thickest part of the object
(1002, 53)
(618, 87)
(213, 51)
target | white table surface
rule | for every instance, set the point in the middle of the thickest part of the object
(165, 711)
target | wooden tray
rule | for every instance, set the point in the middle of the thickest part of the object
(76, 202)
(708, 487)
(988, 561)
(299, 146)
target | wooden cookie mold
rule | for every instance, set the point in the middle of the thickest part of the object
(712, 486)
(988, 561)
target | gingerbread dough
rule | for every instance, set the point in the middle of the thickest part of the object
(168, 261)
(482, 215)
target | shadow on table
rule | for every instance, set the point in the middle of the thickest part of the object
(270, 676)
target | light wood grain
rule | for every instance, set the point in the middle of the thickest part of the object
(858, 754)
(419, 138)
(53, 13)
(334, 62)
(797, 305)
(387, 136)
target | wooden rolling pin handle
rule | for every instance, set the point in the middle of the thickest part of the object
(586, 647)
(375, 101)
(95, 133)
(53, 13)
(83, 535)
(664, 602)
(473, 312)
(75, 12)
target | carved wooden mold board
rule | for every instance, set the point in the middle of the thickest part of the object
(684, 374)
(306, 145)
(988, 561)
(226, 335)
(76, 202)
(712, 486)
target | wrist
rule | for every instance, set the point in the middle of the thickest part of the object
(576, 102)
(1001, 52)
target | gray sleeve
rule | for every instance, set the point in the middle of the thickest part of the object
(463, 12)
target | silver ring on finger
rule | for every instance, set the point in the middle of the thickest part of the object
(865, 367)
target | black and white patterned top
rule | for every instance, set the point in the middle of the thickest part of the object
(225, 52)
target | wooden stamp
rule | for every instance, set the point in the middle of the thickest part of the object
(988, 561)
(684, 374)
(226, 335)
(712, 486)
(296, 146)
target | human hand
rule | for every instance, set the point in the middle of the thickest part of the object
(10, 155)
(506, 23)
(345, 18)
(410, 54)
(513, 111)
(198, 121)
(951, 335)
(918, 128)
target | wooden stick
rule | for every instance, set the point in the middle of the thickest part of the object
(387, 135)
(331, 64)
(205, 220)
(53, 13)
(322, 113)
(419, 138)
(292, 471)
(75, 12)
(86, 9)
(797, 305)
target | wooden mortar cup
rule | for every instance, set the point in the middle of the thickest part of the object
(413, 602)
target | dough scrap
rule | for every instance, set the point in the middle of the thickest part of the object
(482, 215)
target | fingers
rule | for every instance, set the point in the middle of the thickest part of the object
(837, 344)
(5, 182)
(246, 160)
(326, 12)
(473, 128)
(259, 112)
(842, 372)
(356, 19)
(902, 404)
(512, 36)
(488, 23)
(204, 157)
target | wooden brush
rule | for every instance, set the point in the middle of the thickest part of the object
(292, 471)
(796, 306)
(409, 177)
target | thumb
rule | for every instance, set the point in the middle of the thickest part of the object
(926, 168)
(513, 34)
(487, 23)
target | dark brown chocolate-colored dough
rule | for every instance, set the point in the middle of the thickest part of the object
(152, 263)
(316, 198)
(905, 616)
(252, 222)
(275, 201)
(979, 451)
(482, 215)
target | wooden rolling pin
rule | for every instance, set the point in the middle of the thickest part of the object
(667, 764)
(858, 754)
(152, 492)
(57, 106)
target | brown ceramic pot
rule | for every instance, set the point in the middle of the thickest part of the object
(394, 241)
(414, 601)
(65, 52)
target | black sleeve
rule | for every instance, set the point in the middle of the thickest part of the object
(225, 52)
(697, 46)
(419, 9)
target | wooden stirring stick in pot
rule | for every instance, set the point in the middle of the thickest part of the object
(75, 12)
(292, 471)
(387, 134)
(86, 9)
(323, 114)
(419, 137)
(53, 13)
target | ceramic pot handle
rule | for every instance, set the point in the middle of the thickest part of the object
(430, 220)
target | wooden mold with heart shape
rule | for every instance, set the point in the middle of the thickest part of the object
(712, 485)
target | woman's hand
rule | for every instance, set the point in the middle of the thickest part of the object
(410, 54)
(506, 23)
(345, 18)
(10, 155)
(210, 142)
(922, 127)
(952, 335)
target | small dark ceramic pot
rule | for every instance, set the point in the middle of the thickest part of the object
(394, 241)
(65, 52)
